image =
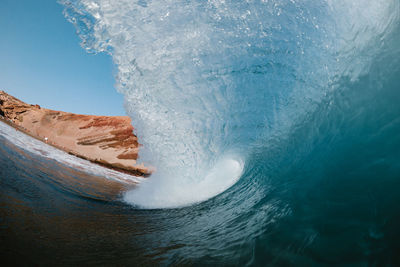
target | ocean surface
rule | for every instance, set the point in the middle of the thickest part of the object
(274, 127)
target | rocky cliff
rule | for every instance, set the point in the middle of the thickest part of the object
(105, 140)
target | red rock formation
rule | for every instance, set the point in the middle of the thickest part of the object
(105, 140)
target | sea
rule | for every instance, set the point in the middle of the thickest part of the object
(273, 127)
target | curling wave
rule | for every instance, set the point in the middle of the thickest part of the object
(210, 83)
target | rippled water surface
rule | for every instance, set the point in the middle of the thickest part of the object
(274, 127)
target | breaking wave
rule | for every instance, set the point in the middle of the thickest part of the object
(213, 85)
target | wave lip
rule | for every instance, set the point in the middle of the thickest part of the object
(172, 192)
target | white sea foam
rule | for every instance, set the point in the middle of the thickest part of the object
(159, 192)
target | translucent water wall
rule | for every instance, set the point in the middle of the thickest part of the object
(207, 82)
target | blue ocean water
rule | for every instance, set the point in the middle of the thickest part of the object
(273, 126)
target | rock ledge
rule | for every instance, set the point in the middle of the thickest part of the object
(105, 140)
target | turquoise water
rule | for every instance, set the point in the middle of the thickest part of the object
(273, 126)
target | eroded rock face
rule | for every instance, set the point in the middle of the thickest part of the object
(106, 140)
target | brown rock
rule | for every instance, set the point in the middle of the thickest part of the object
(105, 140)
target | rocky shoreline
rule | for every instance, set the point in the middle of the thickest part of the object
(105, 140)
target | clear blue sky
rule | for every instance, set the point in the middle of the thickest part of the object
(41, 61)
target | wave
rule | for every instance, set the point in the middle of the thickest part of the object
(210, 83)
